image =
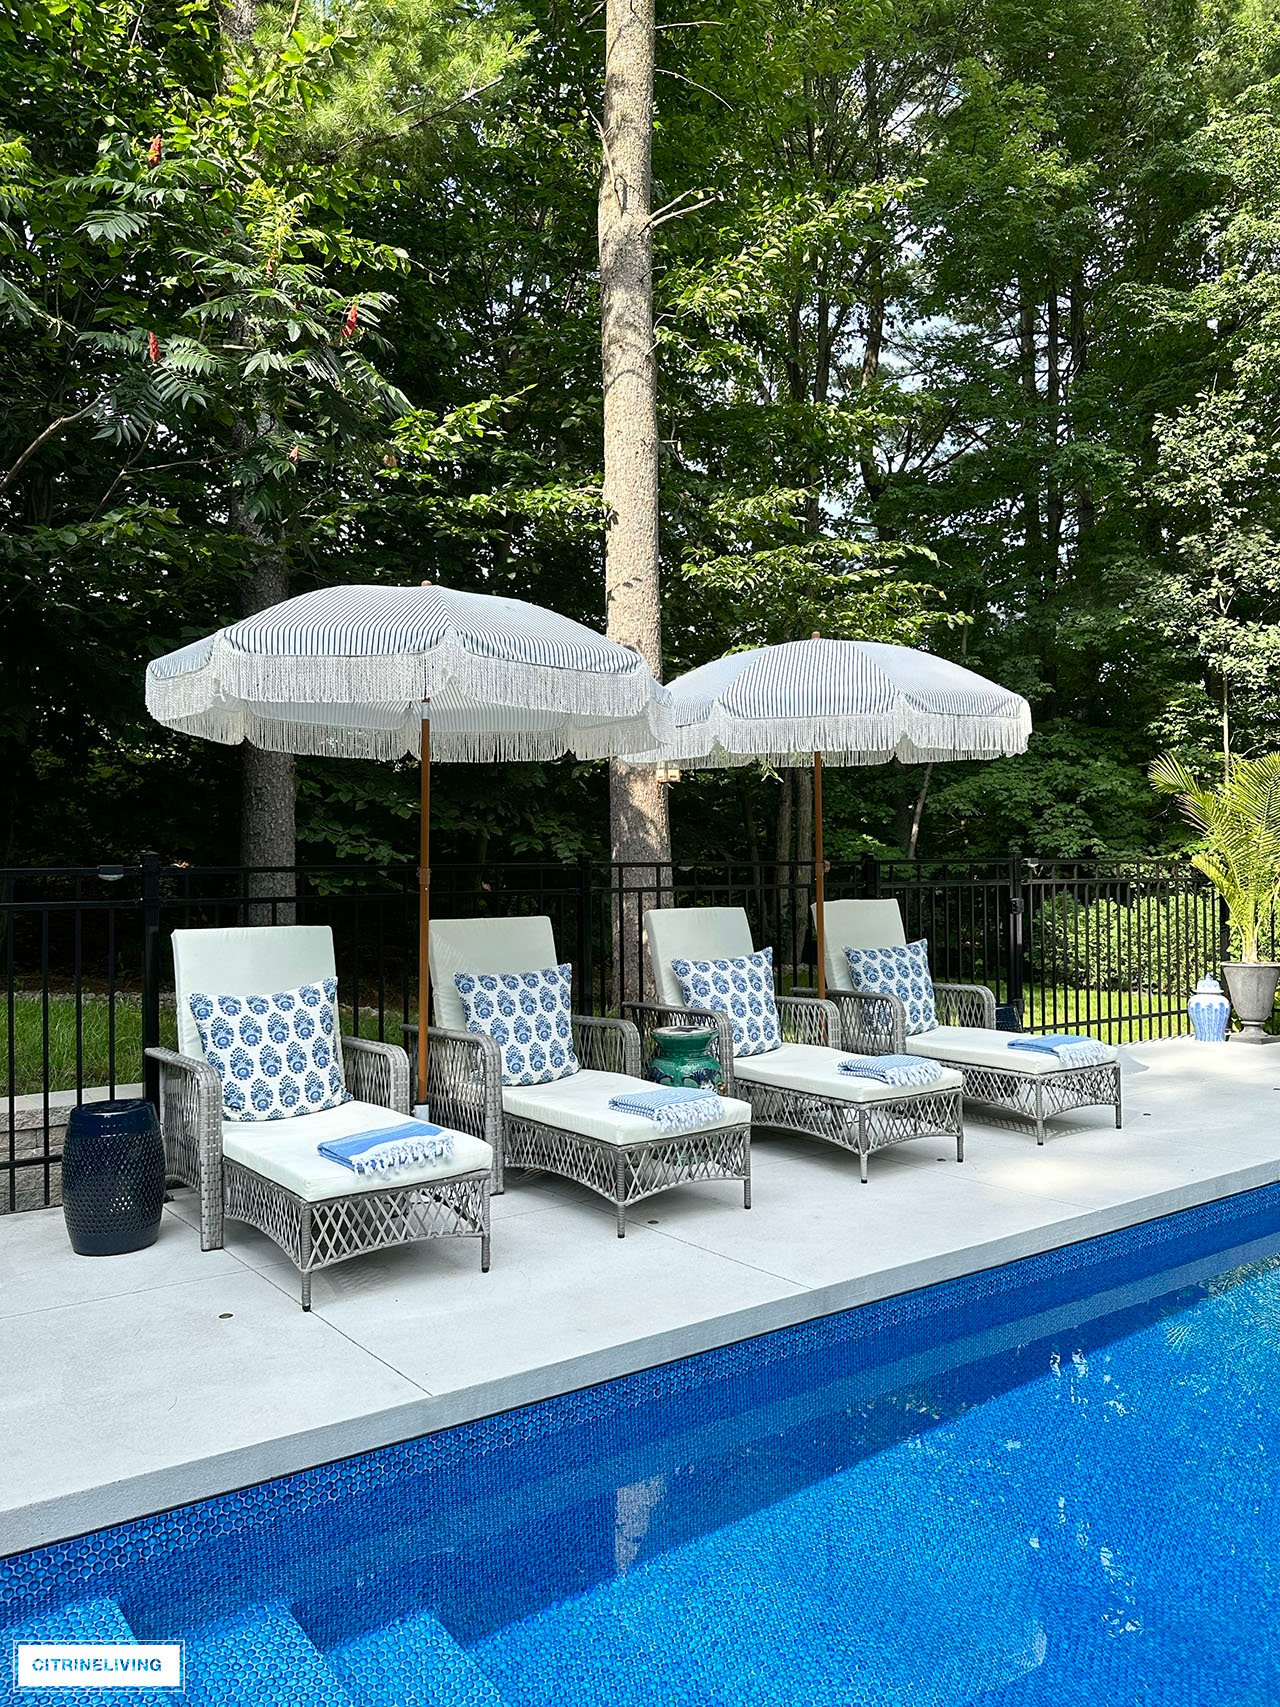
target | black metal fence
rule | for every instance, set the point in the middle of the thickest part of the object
(1107, 947)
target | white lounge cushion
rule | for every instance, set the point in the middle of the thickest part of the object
(245, 960)
(483, 945)
(976, 1046)
(285, 1151)
(692, 933)
(856, 924)
(581, 1104)
(810, 1067)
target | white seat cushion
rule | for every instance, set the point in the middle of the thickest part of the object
(976, 1046)
(581, 1104)
(285, 1151)
(810, 1067)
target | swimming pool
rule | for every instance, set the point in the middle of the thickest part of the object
(1054, 1481)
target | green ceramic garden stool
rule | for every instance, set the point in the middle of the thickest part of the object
(685, 1056)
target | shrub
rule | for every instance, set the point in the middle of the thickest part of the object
(1162, 942)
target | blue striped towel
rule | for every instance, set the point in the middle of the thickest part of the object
(892, 1069)
(676, 1108)
(377, 1152)
(1071, 1050)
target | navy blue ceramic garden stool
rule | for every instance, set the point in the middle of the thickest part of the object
(112, 1177)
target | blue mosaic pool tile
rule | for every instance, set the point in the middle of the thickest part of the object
(260, 1658)
(413, 1663)
(87, 1621)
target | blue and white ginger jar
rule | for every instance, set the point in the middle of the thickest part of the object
(1209, 1012)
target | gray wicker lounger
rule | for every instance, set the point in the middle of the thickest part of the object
(798, 1087)
(268, 1173)
(565, 1127)
(1017, 1081)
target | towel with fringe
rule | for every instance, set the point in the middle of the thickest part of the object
(675, 1108)
(378, 1152)
(892, 1069)
(1070, 1049)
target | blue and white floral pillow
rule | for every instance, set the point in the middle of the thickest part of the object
(902, 971)
(527, 1016)
(741, 988)
(277, 1056)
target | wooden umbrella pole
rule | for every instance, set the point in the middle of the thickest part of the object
(424, 908)
(820, 868)
(820, 875)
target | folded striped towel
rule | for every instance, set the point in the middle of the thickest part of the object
(675, 1108)
(388, 1147)
(892, 1069)
(1071, 1050)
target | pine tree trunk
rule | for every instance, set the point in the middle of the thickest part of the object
(639, 825)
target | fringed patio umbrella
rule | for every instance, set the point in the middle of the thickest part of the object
(392, 672)
(848, 702)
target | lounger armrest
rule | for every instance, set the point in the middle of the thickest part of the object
(965, 1004)
(607, 1045)
(377, 1072)
(649, 1015)
(805, 1019)
(191, 1122)
(871, 1024)
(464, 1082)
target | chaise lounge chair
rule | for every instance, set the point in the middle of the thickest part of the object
(797, 1086)
(267, 1172)
(1018, 1081)
(566, 1126)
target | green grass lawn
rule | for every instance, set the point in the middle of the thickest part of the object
(95, 1041)
(1131, 1013)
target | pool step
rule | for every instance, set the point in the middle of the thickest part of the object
(85, 1621)
(413, 1663)
(259, 1658)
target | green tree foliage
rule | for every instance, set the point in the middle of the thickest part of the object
(968, 333)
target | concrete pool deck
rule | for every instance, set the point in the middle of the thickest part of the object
(135, 1383)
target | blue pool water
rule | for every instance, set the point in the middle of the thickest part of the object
(1053, 1482)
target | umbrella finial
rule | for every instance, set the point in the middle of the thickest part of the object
(815, 635)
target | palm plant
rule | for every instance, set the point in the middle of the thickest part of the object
(1239, 819)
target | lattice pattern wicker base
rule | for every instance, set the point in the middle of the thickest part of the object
(627, 1173)
(862, 1127)
(1039, 1096)
(316, 1235)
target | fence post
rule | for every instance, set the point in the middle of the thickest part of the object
(1017, 943)
(586, 968)
(869, 877)
(151, 972)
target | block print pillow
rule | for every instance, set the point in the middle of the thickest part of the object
(277, 1056)
(742, 988)
(527, 1016)
(902, 971)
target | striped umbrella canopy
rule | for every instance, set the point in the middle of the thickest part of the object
(850, 702)
(389, 672)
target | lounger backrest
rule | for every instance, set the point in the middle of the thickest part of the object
(249, 960)
(857, 924)
(483, 945)
(692, 933)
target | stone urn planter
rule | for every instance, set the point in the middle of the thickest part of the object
(1252, 988)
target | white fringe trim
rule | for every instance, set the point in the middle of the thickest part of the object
(231, 726)
(396, 679)
(905, 732)
(677, 1116)
(404, 1153)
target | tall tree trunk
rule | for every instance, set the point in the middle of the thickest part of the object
(639, 824)
(268, 808)
(1085, 508)
(1032, 529)
(1053, 401)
